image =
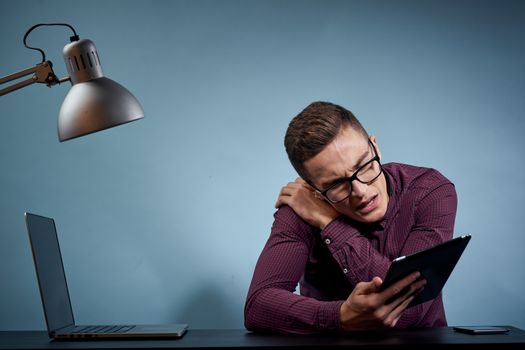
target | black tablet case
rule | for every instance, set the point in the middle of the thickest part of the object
(435, 265)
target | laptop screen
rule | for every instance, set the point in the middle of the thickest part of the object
(50, 272)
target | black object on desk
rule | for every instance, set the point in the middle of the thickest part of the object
(481, 330)
(429, 338)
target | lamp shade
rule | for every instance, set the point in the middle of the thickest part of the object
(96, 105)
(94, 102)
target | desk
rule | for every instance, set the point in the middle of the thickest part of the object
(437, 338)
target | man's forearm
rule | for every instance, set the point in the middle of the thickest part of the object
(278, 310)
(354, 253)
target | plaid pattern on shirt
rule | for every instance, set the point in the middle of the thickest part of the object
(328, 264)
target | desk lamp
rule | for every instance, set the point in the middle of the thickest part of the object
(94, 102)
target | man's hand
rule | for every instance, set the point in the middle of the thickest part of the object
(366, 308)
(304, 201)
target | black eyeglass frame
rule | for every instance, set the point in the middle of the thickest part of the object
(351, 179)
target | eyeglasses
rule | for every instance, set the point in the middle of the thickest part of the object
(366, 174)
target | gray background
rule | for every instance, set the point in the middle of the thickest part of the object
(162, 220)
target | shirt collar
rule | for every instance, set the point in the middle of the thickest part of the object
(392, 206)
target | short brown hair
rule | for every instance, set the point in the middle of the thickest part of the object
(313, 129)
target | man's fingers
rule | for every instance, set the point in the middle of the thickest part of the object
(369, 287)
(285, 191)
(279, 201)
(396, 314)
(377, 282)
(397, 287)
(291, 189)
(283, 197)
(303, 183)
(411, 291)
(286, 194)
(307, 185)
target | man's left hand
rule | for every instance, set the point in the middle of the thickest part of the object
(303, 199)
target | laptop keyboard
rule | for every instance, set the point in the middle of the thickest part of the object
(102, 329)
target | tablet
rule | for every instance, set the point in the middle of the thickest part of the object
(435, 265)
(481, 329)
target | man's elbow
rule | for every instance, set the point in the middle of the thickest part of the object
(249, 324)
(250, 319)
(256, 311)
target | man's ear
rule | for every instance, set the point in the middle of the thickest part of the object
(374, 142)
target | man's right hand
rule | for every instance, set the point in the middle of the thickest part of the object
(366, 308)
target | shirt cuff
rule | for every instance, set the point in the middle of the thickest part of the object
(336, 233)
(329, 316)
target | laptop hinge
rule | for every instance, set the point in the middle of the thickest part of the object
(61, 330)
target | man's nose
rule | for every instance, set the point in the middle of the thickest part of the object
(359, 188)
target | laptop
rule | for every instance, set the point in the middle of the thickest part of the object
(55, 294)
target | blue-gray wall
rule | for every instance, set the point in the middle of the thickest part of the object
(162, 220)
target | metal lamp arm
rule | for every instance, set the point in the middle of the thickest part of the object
(42, 73)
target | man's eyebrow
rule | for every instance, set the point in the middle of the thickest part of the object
(334, 181)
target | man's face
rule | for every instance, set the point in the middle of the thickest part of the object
(341, 158)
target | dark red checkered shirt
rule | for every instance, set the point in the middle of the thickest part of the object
(328, 263)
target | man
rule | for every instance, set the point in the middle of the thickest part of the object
(339, 226)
